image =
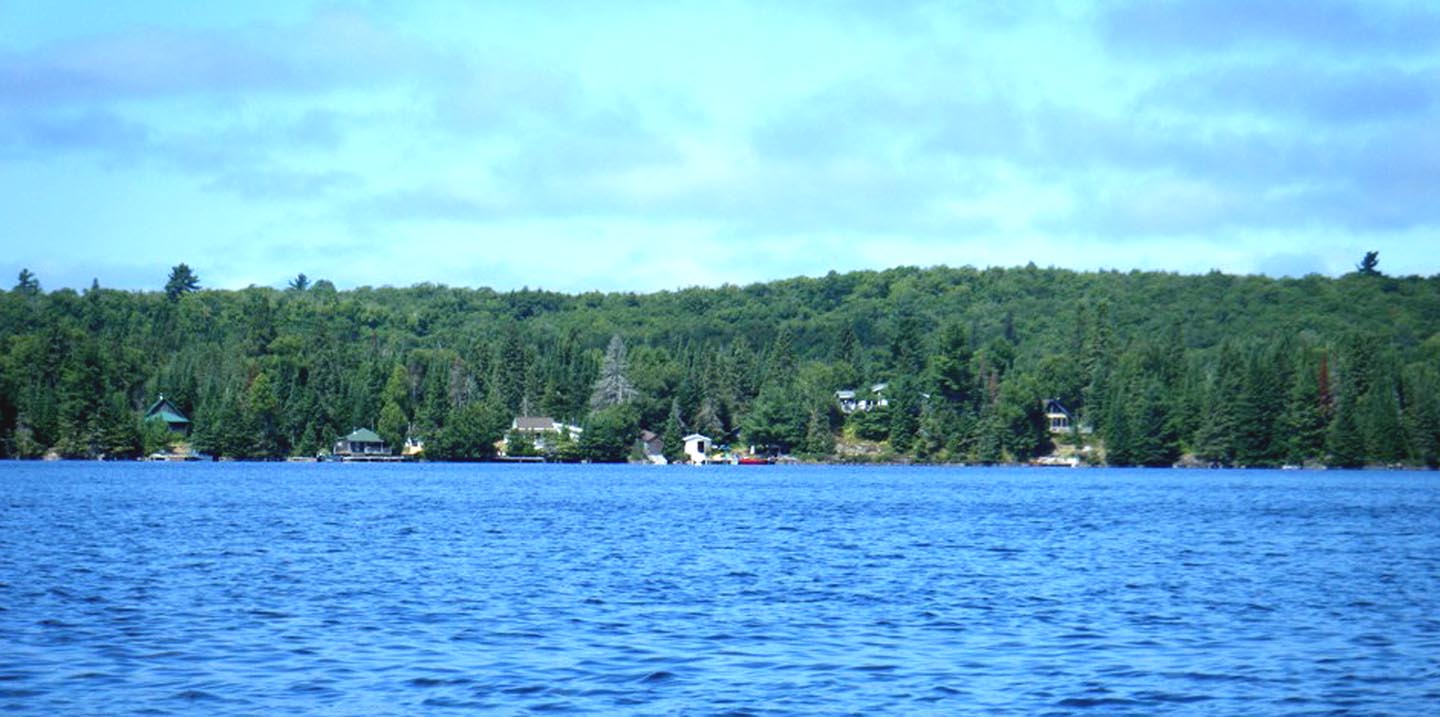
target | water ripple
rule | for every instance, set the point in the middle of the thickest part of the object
(246, 589)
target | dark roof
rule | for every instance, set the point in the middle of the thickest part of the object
(165, 411)
(535, 423)
(1053, 405)
(363, 435)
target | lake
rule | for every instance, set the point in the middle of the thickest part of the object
(243, 589)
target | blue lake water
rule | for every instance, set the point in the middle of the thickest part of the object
(242, 589)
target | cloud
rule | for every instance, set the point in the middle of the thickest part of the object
(87, 130)
(282, 184)
(1304, 90)
(333, 49)
(1178, 27)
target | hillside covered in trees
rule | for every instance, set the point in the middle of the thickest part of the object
(1235, 370)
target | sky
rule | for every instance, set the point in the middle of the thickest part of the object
(641, 146)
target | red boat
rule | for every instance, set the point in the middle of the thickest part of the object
(755, 461)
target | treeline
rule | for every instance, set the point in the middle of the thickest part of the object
(1234, 370)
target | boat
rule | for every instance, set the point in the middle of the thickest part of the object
(755, 461)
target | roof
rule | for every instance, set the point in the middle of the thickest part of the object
(1054, 407)
(695, 437)
(648, 436)
(363, 435)
(534, 423)
(845, 395)
(166, 411)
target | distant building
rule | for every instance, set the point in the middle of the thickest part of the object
(164, 410)
(541, 430)
(697, 447)
(653, 445)
(361, 442)
(1058, 416)
(851, 400)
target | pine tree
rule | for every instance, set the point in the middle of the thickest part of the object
(1306, 415)
(1217, 438)
(1345, 443)
(1380, 425)
(613, 387)
(182, 281)
(950, 365)
(1422, 414)
(27, 285)
(673, 436)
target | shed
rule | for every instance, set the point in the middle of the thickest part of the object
(697, 447)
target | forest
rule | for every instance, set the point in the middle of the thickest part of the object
(1157, 367)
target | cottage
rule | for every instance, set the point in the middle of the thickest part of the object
(653, 446)
(541, 430)
(697, 447)
(164, 410)
(851, 401)
(1059, 417)
(361, 442)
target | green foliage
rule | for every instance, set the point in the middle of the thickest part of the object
(609, 434)
(613, 387)
(1367, 265)
(776, 421)
(27, 285)
(1239, 370)
(470, 433)
(182, 281)
(673, 437)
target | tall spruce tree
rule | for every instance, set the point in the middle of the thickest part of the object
(613, 387)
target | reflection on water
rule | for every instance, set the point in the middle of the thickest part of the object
(389, 589)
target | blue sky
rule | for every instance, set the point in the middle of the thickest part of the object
(654, 145)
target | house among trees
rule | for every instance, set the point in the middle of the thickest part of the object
(361, 443)
(652, 445)
(164, 410)
(1059, 417)
(851, 401)
(542, 429)
(697, 447)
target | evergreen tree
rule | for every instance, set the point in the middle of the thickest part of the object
(776, 421)
(28, 285)
(182, 281)
(261, 419)
(613, 387)
(673, 437)
(848, 358)
(1306, 415)
(1422, 413)
(510, 369)
(1367, 265)
(1258, 408)
(1217, 439)
(950, 366)
(1345, 442)
(1380, 425)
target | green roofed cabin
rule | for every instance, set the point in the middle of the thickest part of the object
(163, 410)
(361, 442)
